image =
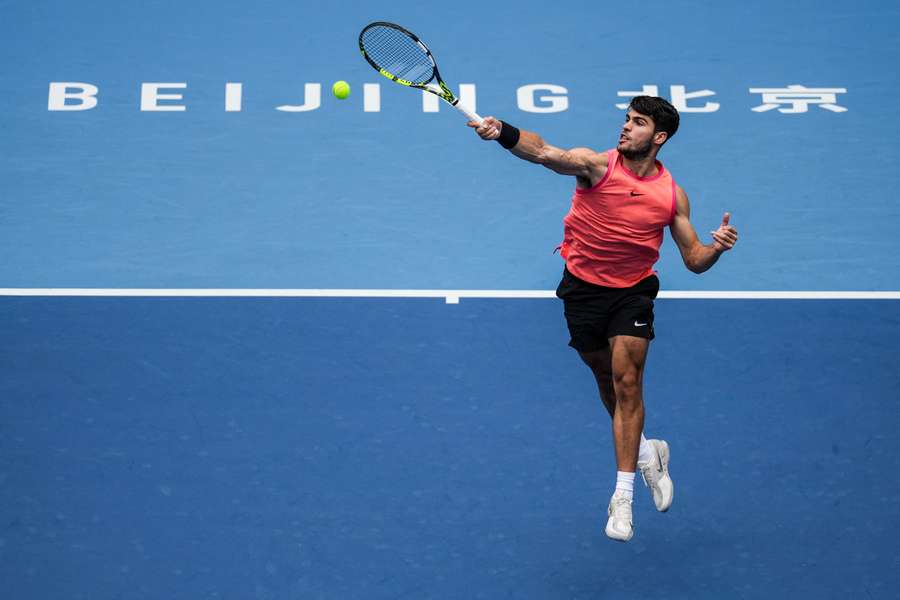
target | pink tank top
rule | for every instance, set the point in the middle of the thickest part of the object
(613, 231)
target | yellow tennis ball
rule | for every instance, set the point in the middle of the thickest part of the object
(340, 89)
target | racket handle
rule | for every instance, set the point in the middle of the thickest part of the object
(473, 116)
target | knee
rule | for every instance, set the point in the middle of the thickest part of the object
(628, 385)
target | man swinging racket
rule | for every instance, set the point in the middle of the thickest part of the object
(623, 200)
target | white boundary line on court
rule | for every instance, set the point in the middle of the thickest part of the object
(451, 296)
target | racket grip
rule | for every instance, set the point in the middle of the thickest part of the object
(473, 116)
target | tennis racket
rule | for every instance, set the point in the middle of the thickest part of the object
(401, 56)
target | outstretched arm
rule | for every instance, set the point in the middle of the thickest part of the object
(697, 256)
(585, 164)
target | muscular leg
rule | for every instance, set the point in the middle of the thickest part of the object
(629, 354)
(600, 363)
(632, 354)
(619, 371)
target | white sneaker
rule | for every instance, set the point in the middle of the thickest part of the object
(656, 475)
(619, 526)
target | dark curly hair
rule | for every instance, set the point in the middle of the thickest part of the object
(664, 115)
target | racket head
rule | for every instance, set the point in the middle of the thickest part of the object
(398, 54)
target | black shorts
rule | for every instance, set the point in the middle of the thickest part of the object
(595, 313)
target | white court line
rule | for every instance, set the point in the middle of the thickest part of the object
(450, 296)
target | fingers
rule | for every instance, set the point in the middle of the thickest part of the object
(728, 233)
(721, 243)
(488, 129)
(489, 132)
(725, 237)
(485, 121)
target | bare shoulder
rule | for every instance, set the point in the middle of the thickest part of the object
(590, 157)
(594, 165)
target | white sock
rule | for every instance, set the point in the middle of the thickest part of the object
(625, 484)
(645, 453)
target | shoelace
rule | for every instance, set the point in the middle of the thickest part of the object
(620, 503)
(649, 477)
(651, 473)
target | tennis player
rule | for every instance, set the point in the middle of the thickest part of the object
(624, 199)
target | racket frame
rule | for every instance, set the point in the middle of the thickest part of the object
(439, 88)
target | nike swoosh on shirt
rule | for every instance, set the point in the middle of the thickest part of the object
(633, 194)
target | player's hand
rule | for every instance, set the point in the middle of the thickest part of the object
(725, 237)
(489, 128)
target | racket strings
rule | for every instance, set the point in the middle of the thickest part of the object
(398, 54)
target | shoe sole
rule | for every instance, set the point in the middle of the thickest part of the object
(618, 539)
(664, 460)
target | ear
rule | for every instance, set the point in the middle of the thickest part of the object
(660, 137)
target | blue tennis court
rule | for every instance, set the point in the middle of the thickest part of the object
(263, 343)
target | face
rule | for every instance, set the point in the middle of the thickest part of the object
(637, 137)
